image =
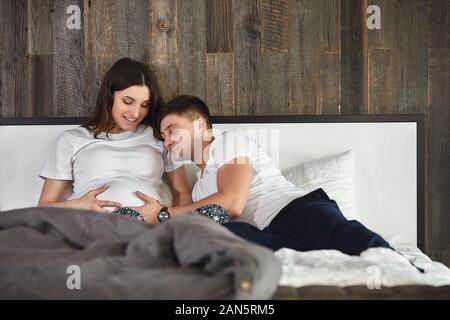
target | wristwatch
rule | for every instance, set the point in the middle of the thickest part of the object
(163, 215)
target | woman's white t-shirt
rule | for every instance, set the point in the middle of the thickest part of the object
(269, 190)
(127, 162)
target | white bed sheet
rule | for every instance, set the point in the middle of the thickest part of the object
(375, 268)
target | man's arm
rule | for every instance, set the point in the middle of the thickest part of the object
(233, 186)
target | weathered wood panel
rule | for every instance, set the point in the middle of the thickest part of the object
(314, 45)
(14, 40)
(386, 37)
(68, 41)
(354, 88)
(439, 22)
(192, 47)
(274, 57)
(219, 26)
(329, 98)
(413, 56)
(303, 59)
(72, 87)
(138, 30)
(42, 86)
(99, 28)
(247, 56)
(163, 52)
(220, 83)
(383, 81)
(274, 25)
(40, 26)
(437, 202)
(329, 26)
(438, 156)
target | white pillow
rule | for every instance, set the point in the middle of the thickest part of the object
(334, 175)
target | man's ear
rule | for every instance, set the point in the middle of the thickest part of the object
(200, 123)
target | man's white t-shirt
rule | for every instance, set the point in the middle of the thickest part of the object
(269, 191)
(127, 162)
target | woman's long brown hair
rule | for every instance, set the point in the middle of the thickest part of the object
(123, 74)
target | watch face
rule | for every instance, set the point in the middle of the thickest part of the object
(163, 216)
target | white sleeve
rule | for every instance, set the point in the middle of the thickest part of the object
(169, 163)
(232, 146)
(58, 164)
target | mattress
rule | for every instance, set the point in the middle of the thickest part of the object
(377, 273)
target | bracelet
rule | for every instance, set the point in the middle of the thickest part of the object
(214, 212)
(125, 211)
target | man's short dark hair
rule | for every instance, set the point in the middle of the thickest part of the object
(185, 105)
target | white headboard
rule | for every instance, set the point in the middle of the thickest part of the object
(388, 151)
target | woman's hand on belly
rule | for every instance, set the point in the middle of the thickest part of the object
(90, 202)
(123, 190)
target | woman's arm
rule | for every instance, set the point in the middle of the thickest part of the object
(179, 186)
(53, 191)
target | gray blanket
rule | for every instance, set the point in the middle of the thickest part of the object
(52, 253)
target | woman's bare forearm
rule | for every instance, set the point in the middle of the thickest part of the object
(182, 199)
(74, 204)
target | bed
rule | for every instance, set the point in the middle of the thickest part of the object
(372, 165)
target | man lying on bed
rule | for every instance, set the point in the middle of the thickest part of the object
(236, 174)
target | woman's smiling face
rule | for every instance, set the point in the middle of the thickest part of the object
(130, 107)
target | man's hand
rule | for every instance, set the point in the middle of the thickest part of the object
(150, 209)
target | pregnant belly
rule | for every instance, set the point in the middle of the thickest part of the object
(123, 190)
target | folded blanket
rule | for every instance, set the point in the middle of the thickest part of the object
(54, 253)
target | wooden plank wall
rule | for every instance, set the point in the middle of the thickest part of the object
(245, 57)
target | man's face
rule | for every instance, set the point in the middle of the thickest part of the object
(178, 134)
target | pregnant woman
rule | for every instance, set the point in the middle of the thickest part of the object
(104, 162)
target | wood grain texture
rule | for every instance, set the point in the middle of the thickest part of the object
(438, 157)
(219, 26)
(329, 26)
(42, 86)
(274, 25)
(68, 41)
(386, 37)
(40, 26)
(71, 79)
(439, 24)
(69, 62)
(303, 57)
(383, 81)
(163, 45)
(219, 83)
(354, 89)
(138, 29)
(13, 50)
(15, 99)
(192, 47)
(274, 57)
(274, 83)
(413, 56)
(98, 27)
(329, 97)
(247, 56)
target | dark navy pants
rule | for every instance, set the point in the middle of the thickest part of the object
(311, 222)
